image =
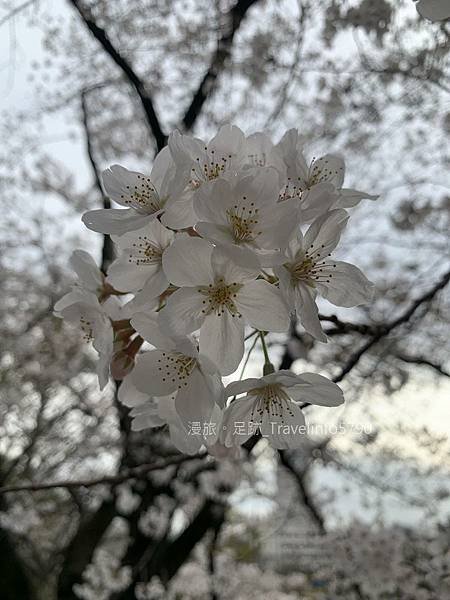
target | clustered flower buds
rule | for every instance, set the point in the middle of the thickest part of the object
(221, 237)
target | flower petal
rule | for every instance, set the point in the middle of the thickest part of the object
(237, 417)
(219, 234)
(230, 140)
(180, 214)
(234, 264)
(347, 286)
(115, 221)
(194, 402)
(348, 198)
(222, 340)
(183, 312)
(127, 277)
(154, 373)
(330, 168)
(317, 201)
(262, 306)
(212, 201)
(129, 395)
(86, 269)
(307, 311)
(286, 430)
(147, 325)
(434, 10)
(240, 387)
(324, 233)
(316, 389)
(261, 152)
(188, 261)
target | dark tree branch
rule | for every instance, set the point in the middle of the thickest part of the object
(343, 327)
(15, 583)
(173, 554)
(233, 19)
(212, 549)
(305, 497)
(386, 330)
(147, 103)
(78, 555)
(422, 361)
(133, 473)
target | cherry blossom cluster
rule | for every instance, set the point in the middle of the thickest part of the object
(222, 240)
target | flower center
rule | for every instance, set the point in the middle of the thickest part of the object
(145, 252)
(220, 297)
(271, 399)
(291, 191)
(87, 330)
(319, 173)
(310, 268)
(143, 196)
(209, 169)
(243, 221)
(176, 367)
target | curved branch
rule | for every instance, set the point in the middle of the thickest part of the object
(223, 51)
(422, 361)
(386, 330)
(305, 497)
(126, 68)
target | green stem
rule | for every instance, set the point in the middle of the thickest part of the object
(268, 366)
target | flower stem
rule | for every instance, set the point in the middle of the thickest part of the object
(268, 366)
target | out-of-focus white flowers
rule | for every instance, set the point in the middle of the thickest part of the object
(215, 241)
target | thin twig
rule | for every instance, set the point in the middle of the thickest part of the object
(15, 11)
(421, 360)
(132, 473)
(384, 331)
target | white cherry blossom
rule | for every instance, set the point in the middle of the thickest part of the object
(199, 162)
(143, 197)
(89, 275)
(244, 213)
(309, 270)
(218, 297)
(82, 308)
(139, 265)
(316, 186)
(262, 152)
(149, 412)
(272, 405)
(210, 243)
(176, 367)
(88, 306)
